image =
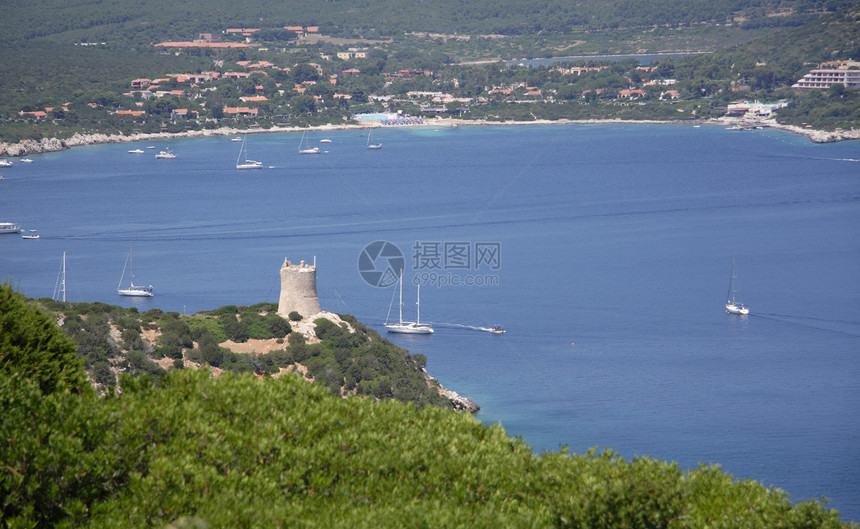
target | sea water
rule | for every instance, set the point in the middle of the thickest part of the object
(605, 252)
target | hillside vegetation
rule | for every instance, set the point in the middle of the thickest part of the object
(155, 20)
(69, 69)
(339, 353)
(241, 451)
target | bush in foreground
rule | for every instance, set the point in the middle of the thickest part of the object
(241, 451)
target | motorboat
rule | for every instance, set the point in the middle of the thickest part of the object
(9, 227)
(165, 155)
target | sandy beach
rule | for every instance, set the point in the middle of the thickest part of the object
(29, 147)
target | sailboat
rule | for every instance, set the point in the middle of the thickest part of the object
(307, 150)
(409, 327)
(60, 287)
(132, 290)
(371, 145)
(247, 164)
(734, 305)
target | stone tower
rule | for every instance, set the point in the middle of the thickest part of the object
(298, 289)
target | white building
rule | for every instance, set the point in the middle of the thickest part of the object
(830, 73)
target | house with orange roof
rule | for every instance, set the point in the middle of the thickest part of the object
(132, 113)
(164, 93)
(183, 113)
(188, 44)
(631, 94)
(253, 99)
(38, 114)
(240, 111)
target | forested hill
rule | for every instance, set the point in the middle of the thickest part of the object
(154, 20)
(191, 451)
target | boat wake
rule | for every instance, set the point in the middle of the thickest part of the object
(850, 328)
(465, 327)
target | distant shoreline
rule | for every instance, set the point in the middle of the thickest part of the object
(30, 147)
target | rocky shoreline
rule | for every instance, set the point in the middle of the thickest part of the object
(30, 147)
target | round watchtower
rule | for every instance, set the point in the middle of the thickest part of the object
(298, 289)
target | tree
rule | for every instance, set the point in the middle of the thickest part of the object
(305, 72)
(33, 347)
(237, 330)
(303, 104)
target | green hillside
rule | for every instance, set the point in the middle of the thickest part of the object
(69, 67)
(189, 450)
(154, 20)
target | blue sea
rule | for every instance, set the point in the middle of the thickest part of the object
(605, 251)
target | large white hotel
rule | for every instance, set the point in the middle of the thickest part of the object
(830, 73)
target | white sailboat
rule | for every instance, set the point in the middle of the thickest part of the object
(132, 290)
(370, 144)
(247, 164)
(409, 327)
(734, 305)
(60, 286)
(306, 149)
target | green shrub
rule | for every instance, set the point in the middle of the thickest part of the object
(34, 348)
(102, 374)
(278, 326)
(237, 330)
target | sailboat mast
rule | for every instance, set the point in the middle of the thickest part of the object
(400, 305)
(131, 265)
(418, 306)
(63, 280)
(731, 294)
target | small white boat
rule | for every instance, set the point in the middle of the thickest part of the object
(325, 140)
(30, 235)
(408, 327)
(26, 160)
(370, 144)
(247, 164)
(495, 329)
(165, 155)
(237, 139)
(734, 305)
(132, 290)
(5, 163)
(136, 151)
(305, 149)
(9, 227)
